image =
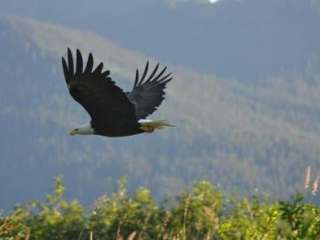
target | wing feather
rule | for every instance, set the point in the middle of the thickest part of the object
(144, 73)
(160, 74)
(70, 61)
(89, 66)
(79, 67)
(136, 78)
(147, 95)
(153, 73)
(105, 102)
(65, 71)
(98, 69)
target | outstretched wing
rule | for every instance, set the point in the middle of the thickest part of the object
(148, 94)
(105, 102)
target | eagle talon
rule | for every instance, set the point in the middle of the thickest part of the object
(150, 126)
(147, 129)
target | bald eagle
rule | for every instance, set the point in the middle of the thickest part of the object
(114, 113)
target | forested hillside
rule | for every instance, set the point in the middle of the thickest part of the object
(240, 137)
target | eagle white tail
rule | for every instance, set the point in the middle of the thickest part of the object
(149, 126)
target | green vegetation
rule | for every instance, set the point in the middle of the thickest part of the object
(201, 213)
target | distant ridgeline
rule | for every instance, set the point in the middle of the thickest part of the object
(274, 37)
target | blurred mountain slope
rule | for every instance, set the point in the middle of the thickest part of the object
(238, 136)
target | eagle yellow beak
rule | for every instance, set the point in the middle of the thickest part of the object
(72, 132)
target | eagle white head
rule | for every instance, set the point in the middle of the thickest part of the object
(85, 129)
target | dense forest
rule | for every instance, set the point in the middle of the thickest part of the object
(240, 137)
(202, 213)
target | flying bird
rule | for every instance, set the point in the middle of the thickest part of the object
(113, 112)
